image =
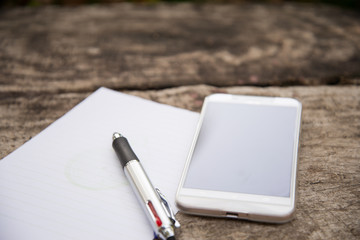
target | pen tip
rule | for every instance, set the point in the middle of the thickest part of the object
(116, 135)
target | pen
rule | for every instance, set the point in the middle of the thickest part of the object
(153, 202)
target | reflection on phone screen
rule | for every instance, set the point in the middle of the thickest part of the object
(244, 148)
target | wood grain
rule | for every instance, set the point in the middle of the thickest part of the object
(126, 46)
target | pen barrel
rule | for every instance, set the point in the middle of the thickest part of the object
(149, 199)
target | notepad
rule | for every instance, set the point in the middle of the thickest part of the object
(67, 183)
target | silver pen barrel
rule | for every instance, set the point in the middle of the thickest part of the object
(152, 201)
(149, 199)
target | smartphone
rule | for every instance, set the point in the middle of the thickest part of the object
(243, 159)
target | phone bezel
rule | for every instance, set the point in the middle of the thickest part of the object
(240, 205)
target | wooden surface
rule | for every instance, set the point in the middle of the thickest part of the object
(52, 58)
(160, 46)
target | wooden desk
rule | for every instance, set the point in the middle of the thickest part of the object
(52, 58)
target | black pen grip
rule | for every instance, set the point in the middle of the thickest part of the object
(123, 150)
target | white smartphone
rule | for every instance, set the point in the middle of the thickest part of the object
(243, 159)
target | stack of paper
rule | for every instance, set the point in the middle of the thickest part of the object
(67, 183)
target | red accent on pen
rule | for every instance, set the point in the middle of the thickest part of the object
(157, 219)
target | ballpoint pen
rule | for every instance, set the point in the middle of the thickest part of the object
(154, 204)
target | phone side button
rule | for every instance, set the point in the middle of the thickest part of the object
(232, 215)
(237, 215)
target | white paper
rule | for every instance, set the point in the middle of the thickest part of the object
(67, 183)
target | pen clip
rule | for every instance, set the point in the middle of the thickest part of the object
(168, 209)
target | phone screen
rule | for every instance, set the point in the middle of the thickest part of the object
(244, 148)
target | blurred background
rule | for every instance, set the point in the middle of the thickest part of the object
(80, 45)
(12, 3)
